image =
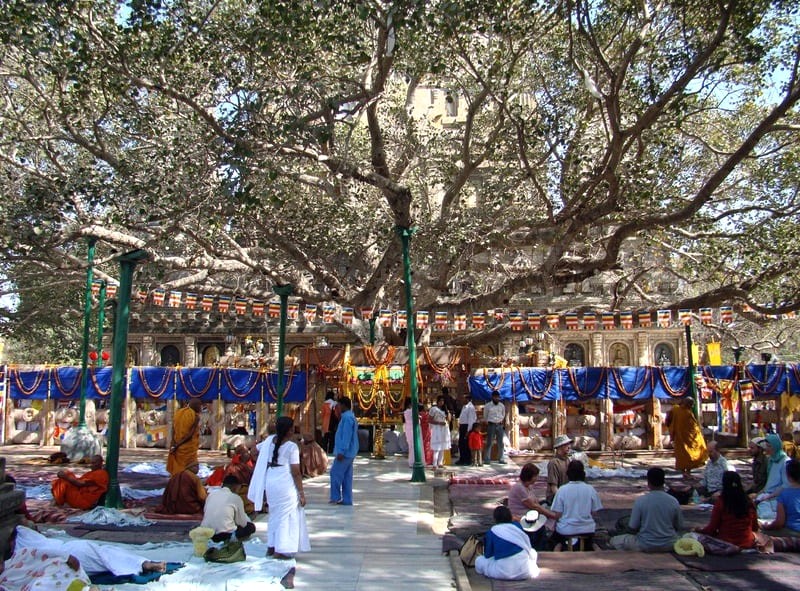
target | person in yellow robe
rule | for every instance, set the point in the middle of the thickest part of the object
(687, 437)
(185, 437)
(81, 492)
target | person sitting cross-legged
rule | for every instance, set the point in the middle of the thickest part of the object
(224, 512)
(81, 492)
(507, 553)
(574, 506)
(184, 493)
(656, 519)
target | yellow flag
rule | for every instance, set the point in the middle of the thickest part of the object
(695, 353)
(714, 353)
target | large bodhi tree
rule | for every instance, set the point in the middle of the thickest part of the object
(245, 145)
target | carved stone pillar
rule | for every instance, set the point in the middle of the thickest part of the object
(149, 356)
(190, 351)
(597, 358)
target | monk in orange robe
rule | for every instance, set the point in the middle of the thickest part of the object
(184, 493)
(687, 437)
(241, 466)
(82, 492)
(313, 459)
(185, 437)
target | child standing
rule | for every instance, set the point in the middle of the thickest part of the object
(475, 441)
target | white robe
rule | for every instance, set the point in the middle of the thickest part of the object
(286, 524)
(440, 434)
(517, 567)
(93, 556)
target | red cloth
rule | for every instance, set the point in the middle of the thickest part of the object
(183, 494)
(729, 528)
(425, 427)
(84, 497)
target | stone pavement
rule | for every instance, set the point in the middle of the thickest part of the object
(386, 540)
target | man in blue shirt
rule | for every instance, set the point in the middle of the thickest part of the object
(345, 449)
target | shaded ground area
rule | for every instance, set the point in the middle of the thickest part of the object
(471, 508)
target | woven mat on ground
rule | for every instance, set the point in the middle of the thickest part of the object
(710, 563)
(607, 581)
(45, 512)
(609, 561)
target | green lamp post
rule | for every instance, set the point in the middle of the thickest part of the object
(418, 471)
(127, 262)
(283, 291)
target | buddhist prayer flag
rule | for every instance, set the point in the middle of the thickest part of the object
(96, 288)
(224, 303)
(459, 322)
(664, 318)
(589, 320)
(347, 316)
(626, 319)
(515, 318)
(207, 303)
(441, 320)
(175, 299)
(608, 320)
(241, 306)
(645, 319)
(553, 320)
(142, 295)
(328, 313)
(499, 314)
(726, 314)
(385, 317)
(111, 290)
(158, 296)
(402, 319)
(790, 314)
(534, 320)
(705, 315)
(571, 319)
(258, 308)
(685, 316)
(293, 311)
(746, 308)
(478, 320)
(366, 313)
(310, 312)
(191, 301)
(422, 319)
(274, 310)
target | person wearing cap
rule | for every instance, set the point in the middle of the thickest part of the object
(507, 552)
(494, 415)
(758, 465)
(557, 467)
(656, 519)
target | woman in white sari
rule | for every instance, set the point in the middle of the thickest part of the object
(277, 473)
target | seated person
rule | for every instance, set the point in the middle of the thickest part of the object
(521, 499)
(557, 467)
(574, 506)
(95, 558)
(313, 459)
(733, 518)
(241, 466)
(507, 552)
(82, 492)
(758, 465)
(716, 466)
(787, 519)
(224, 512)
(656, 518)
(184, 492)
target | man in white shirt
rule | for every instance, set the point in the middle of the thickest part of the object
(467, 418)
(494, 415)
(224, 512)
(716, 466)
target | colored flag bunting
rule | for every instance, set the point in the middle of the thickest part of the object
(175, 299)
(328, 313)
(96, 288)
(442, 320)
(207, 303)
(515, 318)
(274, 310)
(347, 316)
(645, 319)
(366, 313)
(664, 318)
(293, 311)
(589, 320)
(111, 290)
(534, 320)
(158, 296)
(224, 303)
(402, 319)
(571, 319)
(310, 312)
(685, 316)
(726, 314)
(705, 315)
(608, 320)
(258, 308)
(553, 321)
(422, 319)
(385, 317)
(626, 319)
(478, 320)
(240, 306)
(459, 322)
(191, 301)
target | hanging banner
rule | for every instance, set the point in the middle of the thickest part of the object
(224, 304)
(726, 314)
(111, 291)
(207, 303)
(534, 320)
(402, 319)
(441, 320)
(664, 318)
(571, 320)
(347, 316)
(478, 320)
(714, 353)
(310, 312)
(553, 321)
(515, 319)
(705, 315)
(293, 311)
(626, 319)
(175, 298)
(258, 308)
(608, 321)
(460, 322)
(645, 319)
(685, 316)
(422, 319)
(589, 320)
(274, 310)
(366, 313)
(328, 313)
(191, 301)
(158, 296)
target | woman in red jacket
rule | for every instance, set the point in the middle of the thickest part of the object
(733, 518)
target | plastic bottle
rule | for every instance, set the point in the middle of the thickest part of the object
(695, 497)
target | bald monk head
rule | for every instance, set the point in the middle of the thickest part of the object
(97, 462)
(195, 405)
